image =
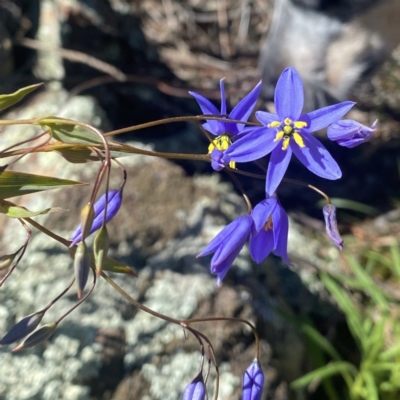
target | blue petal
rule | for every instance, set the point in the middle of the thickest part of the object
(208, 108)
(253, 146)
(223, 99)
(222, 268)
(262, 211)
(261, 245)
(280, 222)
(277, 167)
(323, 117)
(343, 129)
(289, 95)
(243, 110)
(266, 118)
(232, 236)
(316, 158)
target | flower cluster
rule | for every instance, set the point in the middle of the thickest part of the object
(282, 134)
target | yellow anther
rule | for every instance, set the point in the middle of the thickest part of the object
(268, 225)
(232, 164)
(300, 124)
(286, 141)
(279, 136)
(287, 121)
(274, 124)
(287, 129)
(298, 139)
(221, 143)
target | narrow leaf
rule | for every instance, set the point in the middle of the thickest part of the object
(67, 132)
(14, 183)
(14, 211)
(7, 100)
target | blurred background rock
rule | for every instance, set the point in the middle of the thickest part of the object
(116, 63)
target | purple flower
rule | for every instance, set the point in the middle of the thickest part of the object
(289, 132)
(253, 382)
(195, 390)
(329, 212)
(226, 132)
(270, 230)
(114, 204)
(227, 245)
(349, 133)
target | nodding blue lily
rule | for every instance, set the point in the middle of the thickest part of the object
(289, 131)
(253, 382)
(195, 390)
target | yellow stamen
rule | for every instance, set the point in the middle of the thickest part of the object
(298, 139)
(279, 136)
(274, 124)
(286, 141)
(232, 164)
(300, 124)
(221, 143)
(287, 121)
(287, 129)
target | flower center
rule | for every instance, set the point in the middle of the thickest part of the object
(287, 130)
(221, 142)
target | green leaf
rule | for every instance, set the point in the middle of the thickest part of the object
(14, 211)
(77, 155)
(13, 183)
(7, 100)
(334, 368)
(111, 265)
(69, 132)
(370, 385)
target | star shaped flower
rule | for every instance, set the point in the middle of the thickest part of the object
(289, 132)
(226, 132)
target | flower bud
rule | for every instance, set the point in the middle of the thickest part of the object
(38, 337)
(331, 225)
(22, 328)
(195, 390)
(253, 382)
(349, 133)
(100, 248)
(87, 217)
(81, 267)
(113, 205)
(7, 260)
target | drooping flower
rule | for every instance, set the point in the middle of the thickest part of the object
(226, 132)
(114, 204)
(227, 245)
(253, 382)
(349, 133)
(332, 230)
(270, 231)
(195, 390)
(289, 132)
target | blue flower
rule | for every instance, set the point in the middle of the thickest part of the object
(195, 390)
(289, 132)
(349, 133)
(270, 231)
(332, 230)
(114, 204)
(253, 382)
(267, 227)
(226, 132)
(227, 245)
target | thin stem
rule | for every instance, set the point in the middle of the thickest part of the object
(48, 232)
(176, 119)
(241, 189)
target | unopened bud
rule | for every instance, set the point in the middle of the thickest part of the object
(38, 337)
(81, 267)
(253, 382)
(100, 248)
(7, 260)
(113, 205)
(22, 328)
(87, 217)
(195, 390)
(331, 225)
